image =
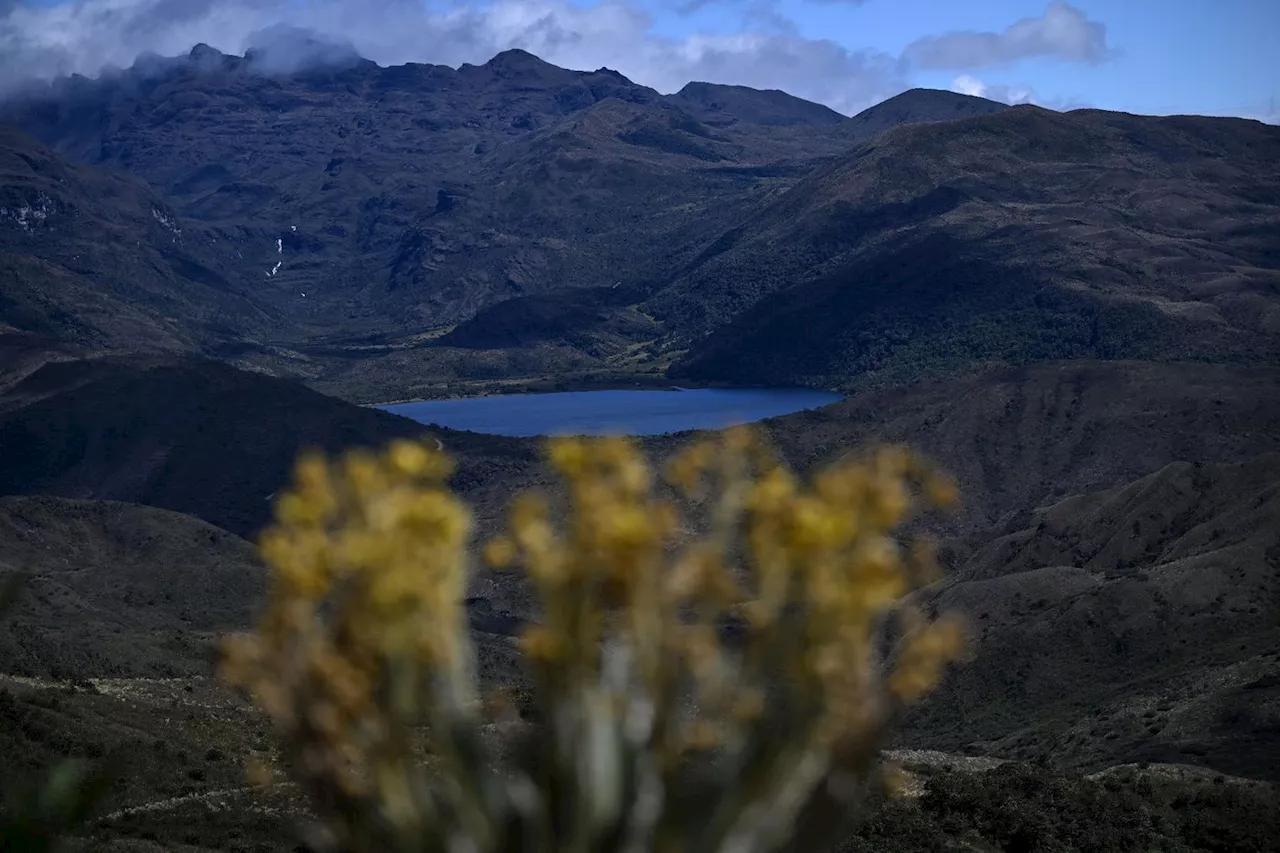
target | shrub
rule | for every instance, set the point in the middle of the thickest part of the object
(720, 691)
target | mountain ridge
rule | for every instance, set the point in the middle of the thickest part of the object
(1141, 224)
(588, 173)
(407, 215)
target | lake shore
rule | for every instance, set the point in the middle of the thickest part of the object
(556, 385)
(615, 411)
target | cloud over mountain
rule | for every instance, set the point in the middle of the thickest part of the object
(1062, 32)
(83, 36)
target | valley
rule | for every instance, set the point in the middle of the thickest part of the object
(207, 269)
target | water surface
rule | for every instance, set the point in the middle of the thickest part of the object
(612, 412)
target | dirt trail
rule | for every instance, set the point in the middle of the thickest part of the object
(215, 800)
(190, 692)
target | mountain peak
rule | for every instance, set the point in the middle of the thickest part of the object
(203, 51)
(210, 59)
(938, 102)
(284, 49)
(920, 106)
(516, 58)
(718, 102)
(609, 72)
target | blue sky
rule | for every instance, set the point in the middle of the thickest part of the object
(1137, 55)
(1167, 55)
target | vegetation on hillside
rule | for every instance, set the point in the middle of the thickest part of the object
(271, 234)
(178, 746)
(1022, 236)
(32, 818)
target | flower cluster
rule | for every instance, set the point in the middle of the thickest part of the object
(363, 635)
(732, 618)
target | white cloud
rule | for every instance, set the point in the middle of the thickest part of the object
(687, 6)
(1062, 31)
(967, 84)
(83, 36)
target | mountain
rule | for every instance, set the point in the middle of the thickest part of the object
(1130, 622)
(94, 256)
(919, 106)
(360, 208)
(411, 196)
(1115, 555)
(720, 105)
(1017, 438)
(1137, 623)
(351, 224)
(201, 438)
(1074, 313)
(1019, 236)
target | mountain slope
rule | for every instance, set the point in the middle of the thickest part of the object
(374, 209)
(719, 105)
(119, 589)
(94, 256)
(1138, 623)
(1115, 552)
(411, 196)
(1016, 438)
(201, 438)
(1019, 236)
(363, 202)
(918, 106)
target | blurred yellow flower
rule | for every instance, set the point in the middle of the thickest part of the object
(734, 609)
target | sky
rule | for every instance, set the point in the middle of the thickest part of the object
(1211, 57)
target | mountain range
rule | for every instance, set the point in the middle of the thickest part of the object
(359, 210)
(444, 219)
(208, 261)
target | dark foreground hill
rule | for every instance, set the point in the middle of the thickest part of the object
(121, 590)
(1116, 557)
(215, 442)
(177, 745)
(200, 437)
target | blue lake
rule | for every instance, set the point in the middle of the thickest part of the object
(612, 412)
